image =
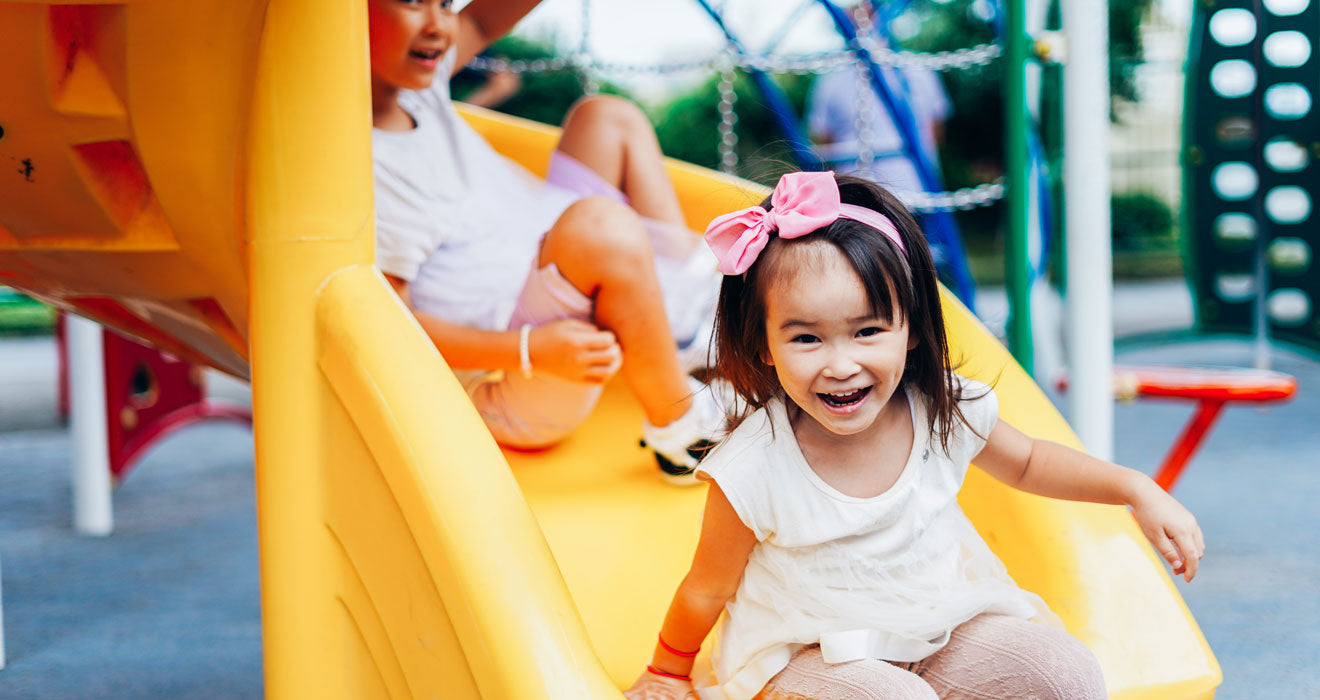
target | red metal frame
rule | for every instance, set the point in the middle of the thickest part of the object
(1211, 389)
(137, 417)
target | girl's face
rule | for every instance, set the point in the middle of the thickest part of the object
(834, 359)
(408, 38)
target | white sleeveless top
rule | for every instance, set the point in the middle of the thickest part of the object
(887, 577)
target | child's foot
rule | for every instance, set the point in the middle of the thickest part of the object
(680, 445)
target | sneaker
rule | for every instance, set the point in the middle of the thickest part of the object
(682, 444)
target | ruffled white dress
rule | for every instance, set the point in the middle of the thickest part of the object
(887, 577)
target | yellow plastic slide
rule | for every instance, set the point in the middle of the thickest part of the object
(198, 174)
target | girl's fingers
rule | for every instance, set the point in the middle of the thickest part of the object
(602, 356)
(603, 367)
(1191, 554)
(599, 340)
(1169, 551)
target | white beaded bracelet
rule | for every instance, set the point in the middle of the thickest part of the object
(524, 352)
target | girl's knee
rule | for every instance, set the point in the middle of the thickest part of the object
(1077, 673)
(597, 238)
(598, 111)
(600, 225)
(1027, 660)
(809, 676)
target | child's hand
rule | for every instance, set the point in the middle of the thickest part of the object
(652, 687)
(1171, 528)
(575, 350)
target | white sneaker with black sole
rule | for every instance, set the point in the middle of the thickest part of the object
(681, 445)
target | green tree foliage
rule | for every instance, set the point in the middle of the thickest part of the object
(1141, 221)
(543, 97)
(688, 126)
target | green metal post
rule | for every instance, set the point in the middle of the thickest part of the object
(1016, 122)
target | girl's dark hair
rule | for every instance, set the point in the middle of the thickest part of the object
(898, 287)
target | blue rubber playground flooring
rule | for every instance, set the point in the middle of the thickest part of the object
(168, 606)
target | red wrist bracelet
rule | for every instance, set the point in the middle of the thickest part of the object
(685, 654)
(666, 674)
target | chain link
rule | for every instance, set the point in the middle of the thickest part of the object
(583, 61)
(982, 195)
(727, 63)
(728, 143)
(800, 64)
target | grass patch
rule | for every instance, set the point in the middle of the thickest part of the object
(20, 315)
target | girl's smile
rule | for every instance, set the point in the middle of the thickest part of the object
(845, 402)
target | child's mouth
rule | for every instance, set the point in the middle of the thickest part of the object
(844, 400)
(427, 56)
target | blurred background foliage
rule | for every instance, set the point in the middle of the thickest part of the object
(687, 122)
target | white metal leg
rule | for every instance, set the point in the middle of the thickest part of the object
(2, 617)
(93, 509)
(1090, 320)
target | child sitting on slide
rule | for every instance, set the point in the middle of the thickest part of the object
(832, 540)
(537, 293)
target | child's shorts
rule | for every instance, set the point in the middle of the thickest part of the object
(541, 410)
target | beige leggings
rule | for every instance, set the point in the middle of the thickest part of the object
(989, 656)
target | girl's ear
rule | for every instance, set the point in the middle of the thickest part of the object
(913, 341)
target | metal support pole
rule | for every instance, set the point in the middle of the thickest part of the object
(2, 618)
(1017, 123)
(93, 510)
(1090, 330)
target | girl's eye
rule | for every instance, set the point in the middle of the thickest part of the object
(804, 338)
(870, 331)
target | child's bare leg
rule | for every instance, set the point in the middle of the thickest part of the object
(601, 248)
(613, 137)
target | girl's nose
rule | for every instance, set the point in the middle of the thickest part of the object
(841, 365)
(437, 18)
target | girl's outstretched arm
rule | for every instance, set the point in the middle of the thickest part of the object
(484, 21)
(717, 567)
(1050, 469)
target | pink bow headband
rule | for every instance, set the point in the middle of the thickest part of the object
(801, 203)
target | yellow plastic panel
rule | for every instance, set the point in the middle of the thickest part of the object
(128, 191)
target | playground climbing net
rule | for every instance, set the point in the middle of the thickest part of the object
(728, 61)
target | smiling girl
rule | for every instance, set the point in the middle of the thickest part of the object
(535, 292)
(832, 532)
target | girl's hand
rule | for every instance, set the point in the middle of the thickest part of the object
(1170, 527)
(652, 687)
(574, 350)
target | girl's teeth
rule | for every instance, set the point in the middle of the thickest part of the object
(844, 398)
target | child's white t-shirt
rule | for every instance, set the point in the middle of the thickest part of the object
(443, 194)
(887, 577)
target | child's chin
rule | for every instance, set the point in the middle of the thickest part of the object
(419, 82)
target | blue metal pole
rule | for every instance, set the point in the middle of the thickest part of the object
(939, 225)
(803, 153)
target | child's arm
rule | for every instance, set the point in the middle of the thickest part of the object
(571, 349)
(1050, 469)
(484, 21)
(717, 567)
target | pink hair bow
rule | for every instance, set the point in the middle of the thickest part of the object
(802, 203)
